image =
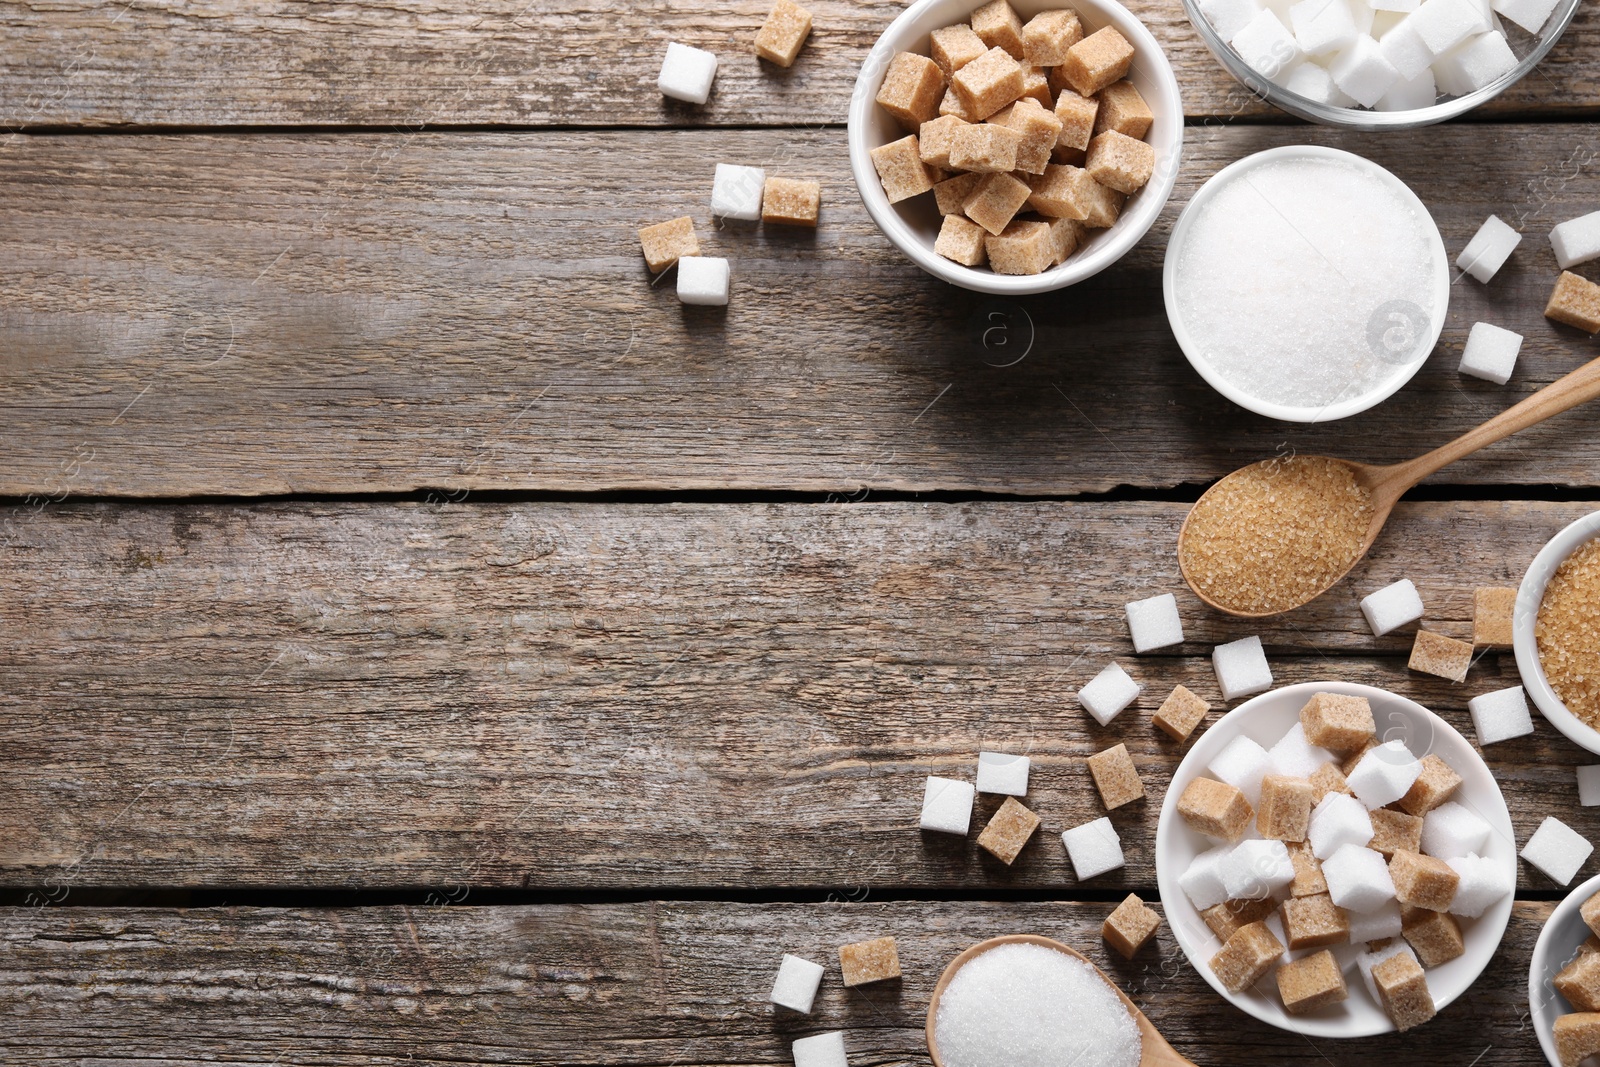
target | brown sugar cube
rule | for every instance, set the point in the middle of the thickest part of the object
(869, 961)
(1314, 921)
(994, 202)
(1216, 809)
(1119, 162)
(1355, 757)
(1038, 129)
(1123, 110)
(1575, 301)
(1492, 609)
(1394, 831)
(911, 90)
(1021, 248)
(1036, 87)
(1096, 61)
(1590, 912)
(1308, 880)
(1432, 787)
(984, 148)
(1247, 955)
(1226, 918)
(1069, 193)
(784, 33)
(901, 169)
(1579, 982)
(1072, 157)
(1048, 35)
(951, 105)
(1420, 881)
(1116, 777)
(1285, 810)
(1068, 235)
(790, 202)
(1577, 1037)
(1180, 713)
(1077, 115)
(951, 193)
(665, 242)
(953, 47)
(1338, 723)
(999, 27)
(1434, 936)
(1311, 982)
(1403, 991)
(1442, 656)
(1590, 944)
(987, 84)
(933, 140)
(1128, 927)
(961, 241)
(1010, 828)
(1328, 779)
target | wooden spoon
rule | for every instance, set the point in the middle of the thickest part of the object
(1385, 485)
(1155, 1052)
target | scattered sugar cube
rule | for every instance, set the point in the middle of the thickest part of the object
(1490, 353)
(1334, 722)
(1308, 880)
(1362, 72)
(784, 33)
(1589, 785)
(951, 193)
(1109, 692)
(1241, 668)
(1432, 787)
(1577, 1037)
(1008, 831)
(987, 84)
(1452, 830)
(1313, 82)
(912, 87)
(1202, 881)
(1489, 249)
(1483, 883)
(1392, 607)
(1501, 715)
(1493, 608)
(1395, 831)
(1094, 848)
(1256, 868)
(1322, 25)
(1154, 623)
(1358, 878)
(1285, 808)
(1531, 15)
(1402, 46)
(736, 192)
(1443, 24)
(823, 1050)
(1078, 115)
(1096, 61)
(1474, 64)
(1226, 918)
(1375, 925)
(900, 168)
(1365, 961)
(686, 73)
(703, 280)
(1408, 94)
(1295, 757)
(1433, 935)
(1248, 955)
(1575, 301)
(1441, 656)
(953, 47)
(1241, 764)
(790, 202)
(1180, 713)
(1228, 17)
(947, 805)
(865, 962)
(1338, 820)
(999, 27)
(1403, 991)
(1124, 110)
(665, 242)
(1120, 162)
(1116, 777)
(1384, 774)
(1266, 45)
(1556, 849)
(1576, 240)
(1310, 983)
(1048, 35)
(1023, 247)
(1129, 925)
(1216, 809)
(795, 987)
(1423, 881)
(1003, 775)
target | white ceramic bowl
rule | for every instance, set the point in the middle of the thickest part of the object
(1265, 719)
(1526, 645)
(1558, 942)
(913, 225)
(1191, 348)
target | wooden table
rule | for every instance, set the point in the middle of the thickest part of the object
(426, 642)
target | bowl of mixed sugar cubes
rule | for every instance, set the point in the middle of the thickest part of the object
(1331, 879)
(1015, 148)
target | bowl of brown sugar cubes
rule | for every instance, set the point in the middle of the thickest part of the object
(1015, 148)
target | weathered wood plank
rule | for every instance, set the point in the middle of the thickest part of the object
(633, 696)
(645, 984)
(222, 62)
(247, 315)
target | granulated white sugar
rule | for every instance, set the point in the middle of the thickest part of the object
(1023, 1005)
(1305, 282)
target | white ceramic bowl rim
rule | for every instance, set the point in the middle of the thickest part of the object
(1328, 412)
(1541, 995)
(1525, 643)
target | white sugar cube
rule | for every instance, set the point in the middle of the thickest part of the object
(1402, 46)
(947, 805)
(1228, 17)
(1255, 869)
(1108, 693)
(1314, 83)
(1202, 882)
(1490, 353)
(1443, 24)
(1322, 25)
(1358, 878)
(1368, 960)
(1589, 785)
(1500, 716)
(1404, 7)
(1473, 65)
(1408, 94)
(823, 1050)
(1241, 764)
(1384, 21)
(1266, 45)
(1338, 820)
(1241, 668)
(736, 192)
(1003, 775)
(1384, 775)
(1094, 848)
(1557, 849)
(1362, 71)
(1576, 240)
(1392, 607)
(1489, 249)
(703, 280)
(686, 73)
(796, 985)
(1375, 925)
(1363, 16)
(1296, 757)
(1531, 15)
(1483, 884)
(1452, 830)
(1154, 623)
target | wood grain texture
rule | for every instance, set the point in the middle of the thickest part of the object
(295, 314)
(226, 63)
(649, 983)
(637, 696)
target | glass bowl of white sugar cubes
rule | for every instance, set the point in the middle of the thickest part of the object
(1379, 64)
(1336, 860)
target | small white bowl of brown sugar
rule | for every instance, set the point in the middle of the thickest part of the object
(1556, 631)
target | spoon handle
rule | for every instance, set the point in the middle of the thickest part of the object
(1568, 392)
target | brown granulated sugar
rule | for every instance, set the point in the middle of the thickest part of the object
(1568, 632)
